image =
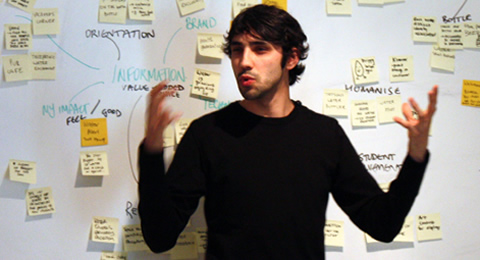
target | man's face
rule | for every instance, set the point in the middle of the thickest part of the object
(257, 66)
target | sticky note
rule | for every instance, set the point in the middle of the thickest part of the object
(114, 256)
(282, 4)
(112, 11)
(389, 107)
(169, 136)
(451, 36)
(335, 102)
(401, 68)
(239, 5)
(363, 113)
(181, 127)
(18, 36)
(45, 21)
(25, 5)
(189, 6)
(471, 93)
(210, 45)
(94, 163)
(94, 131)
(424, 29)
(44, 65)
(405, 234)
(334, 234)
(443, 59)
(429, 227)
(471, 35)
(141, 10)
(364, 70)
(393, 1)
(40, 201)
(205, 84)
(202, 239)
(23, 171)
(186, 247)
(104, 230)
(370, 2)
(17, 67)
(339, 7)
(133, 239)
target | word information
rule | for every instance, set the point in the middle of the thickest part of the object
(23, 171)
(104, 230)
(133, 239)
(205, 84)
(94, 163)
(339, 7)
(94, 132)
(18, 36)
(44, 65)
(141, 10)
(334, 234)
(25, 5)
(471, 93)
(45, 21)
(112, 11)
(364, 70)
(443, 59)
(181, 127)
(114, 256)
(363, 113)
(190, 6)
(451, 36)
(401, 68)
(389, 107)
(40, 201)
(471, 35)
(201, 237)
(335, 102)
(210, 45)
(424, 29)
(429, 227)
(17, 67)
(239, 5)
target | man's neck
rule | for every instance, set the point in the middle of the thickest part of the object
(275, 108)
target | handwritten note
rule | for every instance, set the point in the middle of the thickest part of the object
(169, 136)
(186, 247)
(363, 113)
(17, 67)
(429, 227)
(25, 5)
(94, 131)
(443, 59)
(335, 102)
(364, 70)
(451, 36)
(114, 256)
(210, 45)
(471, 35)
(94, 163)
(18, 36)
(23, 171)
(141, 10)
(201, 238)
(40, 201)
(401, 68)
(133, 239)
(424, 29)
(205, 84)
(239, 5)
(112, 11)
(282, 4)
(388, 107)
(45, 21)
(189, 6)
(334, 234)
(44, 65)
(181, 127)
(104, 230)
(471, 93)
(339, 7)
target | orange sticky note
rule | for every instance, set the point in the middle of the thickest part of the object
(471, 93)
(94, 132)
(282, 4)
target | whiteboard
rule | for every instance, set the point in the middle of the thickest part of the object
(102, 66)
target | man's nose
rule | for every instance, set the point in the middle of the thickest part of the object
(246, 62)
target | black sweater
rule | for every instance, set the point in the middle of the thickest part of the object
(266, 183)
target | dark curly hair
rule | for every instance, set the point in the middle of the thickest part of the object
(273, 25)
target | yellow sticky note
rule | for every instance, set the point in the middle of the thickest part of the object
(364, 70)
(401, 68)
(112, 11)
(335, 102)
(104, 230)
(334, 234)
(393, 1)
(18, 36)
(94, 163)
(25, 5)
(471, 35)
(189, 6)
(202, 239)
(40, 201)
(181, 127)
(23, 171)
(471, 93)
(363, 113)
(94, 131)
(186, 247)
(370, 2)
(389, 107)
(141, 10)
(133, 239)
(339, 7)
(205, 84)
(169, 136)
(44, 65)
(282, 4)
(424, 29)
(45, 21)
(17, 67)
(239, 5)
(451, 36)
(429, 227)
(210, 45)
(443, 59)
(114, 256)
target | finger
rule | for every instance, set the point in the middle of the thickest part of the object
(416, 107)
(401, 122)
(432, 95)
(407, 111)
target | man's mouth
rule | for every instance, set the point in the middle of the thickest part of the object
(246, 80)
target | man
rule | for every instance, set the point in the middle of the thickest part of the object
(266, 164)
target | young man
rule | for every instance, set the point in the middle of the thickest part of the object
(267, 164)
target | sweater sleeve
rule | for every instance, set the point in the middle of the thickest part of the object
(168, 200)
(377, 213)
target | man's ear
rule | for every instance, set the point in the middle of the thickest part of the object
(293, 59)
